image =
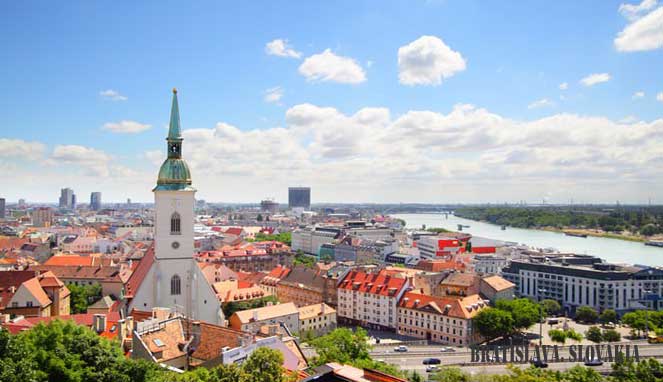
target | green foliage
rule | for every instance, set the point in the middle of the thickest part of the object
(304, 259)
(450, 374)
(607, 316)
(557, 335)
(83, 296)
(594, 334)
(647, 370)
(284, 237)
(638, 319)
(572, 334)
(611, 335)
(236, 306)
(586, 314)
(263, 365)
(524, 311)
(521, 374)
(341, 345)
(437, 230)
(551, 307)
(493, 323)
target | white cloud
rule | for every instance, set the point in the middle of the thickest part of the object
(645, 33)
(563, 86)
(126, 127)
(112, 95)
(427, 61)
(595, 78)
(635, 11)
(327, 66)
(544, 102)
(280, 47)
(273, 95)
(20, 149)
(629, 119)
(638, 94)
(659, 97)
(94, 161)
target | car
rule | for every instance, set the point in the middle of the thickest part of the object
(401, 348)
(432, 368)
(594, 362)
(447, 349)
(431, 361)
(380, 360)
(494, 359)
(538, 363)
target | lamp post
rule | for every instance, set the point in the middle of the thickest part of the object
(541, 291)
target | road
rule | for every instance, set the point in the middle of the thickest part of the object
(413, 358)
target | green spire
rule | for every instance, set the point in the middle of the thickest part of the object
(174, 130)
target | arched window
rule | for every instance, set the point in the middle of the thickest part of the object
(175, 224)
(175, 285)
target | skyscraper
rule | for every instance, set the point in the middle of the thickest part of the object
(299, 197)
(2, 208)
(67, 199)
(95, 201)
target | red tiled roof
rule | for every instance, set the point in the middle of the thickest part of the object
(11, 279)
(372, 283)
(457, 307)
(234, 231)
(85, 319)
(139, 273)
(213, 338)
(11, 243)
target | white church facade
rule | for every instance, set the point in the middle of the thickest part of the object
(174, 279)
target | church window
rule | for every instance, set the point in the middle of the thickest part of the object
(175, 285)
(175, 224)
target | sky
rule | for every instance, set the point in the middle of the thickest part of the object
(431, 101)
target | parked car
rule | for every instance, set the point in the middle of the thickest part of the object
(593, 362)
(432, 368)
(401, 348)
(538, 363)
(431, 361)
(447, 349)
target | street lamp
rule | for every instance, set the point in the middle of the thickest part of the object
(541, 291)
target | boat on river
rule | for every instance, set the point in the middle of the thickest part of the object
(574, 234)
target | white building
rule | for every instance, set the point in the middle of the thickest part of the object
(489, 263)
(174, 279)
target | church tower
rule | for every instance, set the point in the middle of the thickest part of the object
(174, 279)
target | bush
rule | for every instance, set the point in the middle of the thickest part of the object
(586, 314)
(611, 335)
(557, 335)
(607, 316)
(572, 334)
(594, 334)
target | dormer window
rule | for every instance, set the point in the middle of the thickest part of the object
(175, 224)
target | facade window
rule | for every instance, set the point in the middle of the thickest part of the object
(175, 285)
(175, 224)
(29, 304)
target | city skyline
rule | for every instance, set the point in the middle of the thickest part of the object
(439, 111)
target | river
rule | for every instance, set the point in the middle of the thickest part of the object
(612, 250)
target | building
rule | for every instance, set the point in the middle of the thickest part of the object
(168, 275)
(42, 216)
(301, 286)
(582, 280)
(107, 276)
(33, 294)
(67, 199)
(433, 247)
(460, 285)
(496, 288)
(271, 281)
(310, 240)
(95, 201)
(3, 212)
(252, 257)
(489, 263)
(251, 320)
(370, 299)
(316, 319)
(269, 206)
(440, 319)
(335, 372)
(299, 197)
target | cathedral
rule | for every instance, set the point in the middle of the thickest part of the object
(173, 279)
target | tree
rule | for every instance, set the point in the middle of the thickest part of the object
(259, 217)
(611, 335)
(493, 323)
(557, 335)
(594, 334)
(524, 311)
(304, 259)
(586, 314)
(607, 316)
(83, 296)
(450, 374)
(551, 307)
(263, 365)
(341, 345)
(582, 374)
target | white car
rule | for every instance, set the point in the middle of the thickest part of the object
(431, 368)
(400, 349)
(447, 349)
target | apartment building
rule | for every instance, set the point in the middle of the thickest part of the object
(317, 319)
(581, 280)
(370, 299)
(440, 319)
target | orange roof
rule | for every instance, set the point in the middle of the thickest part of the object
(70, 260)
(498, 283)
(213, 338)
(439, 265)
(37, 291)
(8, 243)
(464, 308)
(372, 283)
(139, 273)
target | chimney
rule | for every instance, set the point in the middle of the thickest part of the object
(99, 323)
(322, 309)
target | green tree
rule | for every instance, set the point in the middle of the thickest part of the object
(582, 374)
(607, 316)
(450, 374)
(557, 335)
(551, 307)
(259, 217)
(304, 259)
(586, 314)
(493, 323)
(524, 311)
(611, 335)
(263, 365)
(83, 296)
(594, 334)
(341, 345)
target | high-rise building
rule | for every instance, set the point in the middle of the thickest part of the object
(269, 206)
(67, 199)
(95, 201)
(42, 217)
(21, 203)
(2, 208)
(299, 197)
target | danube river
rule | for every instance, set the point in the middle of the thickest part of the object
(612, 250)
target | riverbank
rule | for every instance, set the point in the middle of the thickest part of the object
(597, 233)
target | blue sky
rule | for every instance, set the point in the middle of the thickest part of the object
(506, 59)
